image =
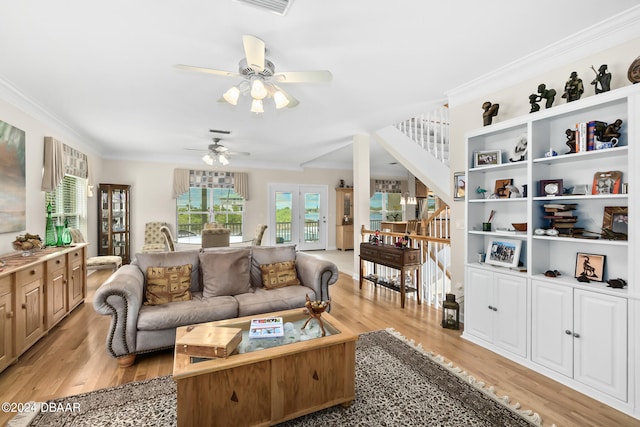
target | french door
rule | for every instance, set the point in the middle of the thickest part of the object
(298, 215)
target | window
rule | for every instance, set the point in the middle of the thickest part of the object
(69, 202)
(384, 207)
(199, 206)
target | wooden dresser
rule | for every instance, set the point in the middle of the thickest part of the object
(404, 260)
(36, 292)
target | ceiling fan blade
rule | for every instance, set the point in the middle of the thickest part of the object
(236, 153)
(254, 49)
(320, 76)
(207, 70)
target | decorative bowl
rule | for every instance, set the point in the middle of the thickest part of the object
(519, 226)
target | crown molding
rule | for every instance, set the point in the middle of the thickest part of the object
(11, 95)
(611, 32)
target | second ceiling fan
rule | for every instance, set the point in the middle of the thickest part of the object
(260, 77)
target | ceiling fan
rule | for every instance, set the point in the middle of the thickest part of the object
(217, 152)
(260, 77)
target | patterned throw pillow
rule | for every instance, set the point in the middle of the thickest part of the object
(168, 284)
(279, 274)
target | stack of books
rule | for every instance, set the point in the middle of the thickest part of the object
(562, 218)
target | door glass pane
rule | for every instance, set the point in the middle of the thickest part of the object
(311, 217)
(283, 216)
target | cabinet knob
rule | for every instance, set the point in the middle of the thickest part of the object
(32, 272)
(495, 308)
(57, 261)
(568, 332)
(10, 315)
(576, 335)
(490, 308)
(24, 306)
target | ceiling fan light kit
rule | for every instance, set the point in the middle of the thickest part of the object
(258, 72)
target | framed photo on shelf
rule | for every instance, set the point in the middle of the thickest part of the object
(503, 252)
(459, 185)
(551, 187)
(607, 182)
(501, 188)
(616, 220)
(590, 266)
(487, 158)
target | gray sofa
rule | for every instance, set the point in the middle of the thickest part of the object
(224, 283)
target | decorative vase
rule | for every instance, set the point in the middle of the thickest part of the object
(59, 230)
(50, 232)
(66, 234)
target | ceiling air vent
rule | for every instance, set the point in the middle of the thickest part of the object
(276, 6)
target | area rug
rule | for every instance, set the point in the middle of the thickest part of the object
(397, 383)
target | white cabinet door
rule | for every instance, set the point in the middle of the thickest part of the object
(600, 331)
(510, 309)
(478, 315)
(552, 326)
(496, 309)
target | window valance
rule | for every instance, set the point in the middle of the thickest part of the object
(183, 179)
(60, 160)
(388, 186)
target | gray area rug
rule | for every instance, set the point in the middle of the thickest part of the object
(397, 384)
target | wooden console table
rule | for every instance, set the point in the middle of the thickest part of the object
(391, 256)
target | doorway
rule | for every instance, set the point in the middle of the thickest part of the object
(298, 215)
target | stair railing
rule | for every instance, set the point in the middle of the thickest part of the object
(430, 131)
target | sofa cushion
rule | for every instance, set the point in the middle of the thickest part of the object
(182, 313)
(268, 300)
(225, 272)
(168, 284)
(261, 255)
(279, 274)
(172, 259)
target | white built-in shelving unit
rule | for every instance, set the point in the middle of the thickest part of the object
(585, 335)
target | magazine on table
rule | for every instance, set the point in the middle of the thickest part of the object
(266, 327)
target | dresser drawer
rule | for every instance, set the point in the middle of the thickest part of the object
(29, 274)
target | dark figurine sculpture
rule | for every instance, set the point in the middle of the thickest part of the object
(616, 283)
(571, 140)
(490, 111)
(607, 132)
(548, 94)
(573, 89)
(602, 82)
(533, 100)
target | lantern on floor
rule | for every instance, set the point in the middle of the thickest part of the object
(450, 312)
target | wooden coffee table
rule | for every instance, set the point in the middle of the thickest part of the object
(267, 386)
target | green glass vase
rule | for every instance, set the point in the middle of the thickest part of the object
(66, 234)
(50, 232)
(59, 230)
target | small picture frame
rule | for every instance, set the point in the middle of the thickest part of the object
(501, 188)
(459, 185)
(616, 221)
(503, 252)
(607, 182)
(590, 266)
(551, 187)
(487, 158)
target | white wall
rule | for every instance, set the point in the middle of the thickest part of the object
(151, 192)
(514, 102)
(36, 128)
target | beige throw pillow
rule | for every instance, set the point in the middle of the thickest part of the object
(225, 272)
(279, 274)
(168, 284)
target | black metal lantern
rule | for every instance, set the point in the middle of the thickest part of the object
(450, 312)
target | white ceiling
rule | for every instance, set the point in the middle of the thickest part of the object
(105, 69)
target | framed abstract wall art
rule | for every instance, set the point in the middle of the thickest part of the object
(13, 196)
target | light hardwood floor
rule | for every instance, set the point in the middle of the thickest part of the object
(72, 359)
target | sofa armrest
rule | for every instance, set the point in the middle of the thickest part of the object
(121, 297)
(316, 273)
